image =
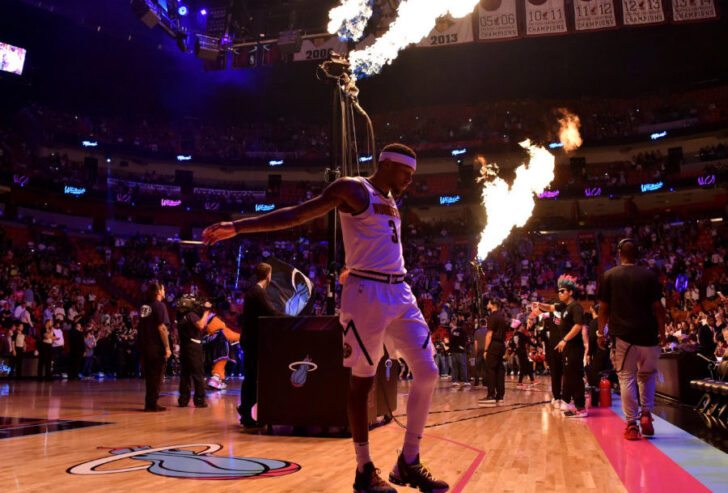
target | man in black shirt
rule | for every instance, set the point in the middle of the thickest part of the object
(257, 304)
(154, 344)
(192, 359)
(495, 348)
(554, 358)
(630, 308)
(458, 345)
(573, 344)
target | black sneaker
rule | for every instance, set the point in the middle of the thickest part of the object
(416, 475)
(369, 481)
(155, 409)
(487, 402)
(182, 403)
(201, 404)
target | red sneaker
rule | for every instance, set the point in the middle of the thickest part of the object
(632, 432)
(646, 424)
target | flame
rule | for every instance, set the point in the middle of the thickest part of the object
(511, 206)
(414, 21)
(349, 19)
(569, 132)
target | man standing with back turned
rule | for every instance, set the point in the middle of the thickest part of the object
(377, 306)
(631, 311)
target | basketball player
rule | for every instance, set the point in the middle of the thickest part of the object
(377, 306)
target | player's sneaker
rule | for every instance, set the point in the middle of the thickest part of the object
(632, 432)
(416, 475)
(646, 424)
(369, 481)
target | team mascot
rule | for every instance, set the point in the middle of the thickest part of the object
(221, 343)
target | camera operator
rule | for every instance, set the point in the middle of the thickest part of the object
(191, 327)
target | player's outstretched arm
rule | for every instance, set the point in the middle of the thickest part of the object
(345, 192)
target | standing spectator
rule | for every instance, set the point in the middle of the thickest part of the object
(458, 346)
(479, 342)
(57, 348)
(154, 344)
(45, 349)
(629, 304)
(441, 356)
(18, 351)
(88, 355)
(76, 346)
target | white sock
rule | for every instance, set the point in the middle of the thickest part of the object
(411, 448)
(362, 455)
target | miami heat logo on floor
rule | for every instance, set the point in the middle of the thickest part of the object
(174, 462)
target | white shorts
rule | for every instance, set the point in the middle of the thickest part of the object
(375, 314)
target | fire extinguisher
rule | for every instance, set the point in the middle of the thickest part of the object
(605, 393)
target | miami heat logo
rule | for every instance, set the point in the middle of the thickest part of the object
(174, 462)
(300, 371)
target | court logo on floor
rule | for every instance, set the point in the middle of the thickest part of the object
(173, 461)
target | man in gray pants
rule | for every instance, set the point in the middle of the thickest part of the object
(631, 311)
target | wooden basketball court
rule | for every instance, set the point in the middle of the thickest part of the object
(51, 433)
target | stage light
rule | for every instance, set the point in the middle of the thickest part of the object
(182, 10)
(203, 12)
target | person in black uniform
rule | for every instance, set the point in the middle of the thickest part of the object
(554, 358)
(257, 304)
(495, 348)
(523, 341)
(574, 342)
(191, 326)
(154, 344)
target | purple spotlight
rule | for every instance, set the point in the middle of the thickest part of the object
(203, 12)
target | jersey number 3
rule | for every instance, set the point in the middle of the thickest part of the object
(395, 235)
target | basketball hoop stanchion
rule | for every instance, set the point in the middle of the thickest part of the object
(345, 156)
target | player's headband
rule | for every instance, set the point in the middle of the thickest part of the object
(396, 157)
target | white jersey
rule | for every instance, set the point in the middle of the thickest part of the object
(372, 240)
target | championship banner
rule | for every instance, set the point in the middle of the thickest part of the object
(693, 10)
(319, 48)
(497, 20)
(638, 12)
(449, 31)
(544, 17)
(594, 15)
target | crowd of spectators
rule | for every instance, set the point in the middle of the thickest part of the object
(75, 284)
